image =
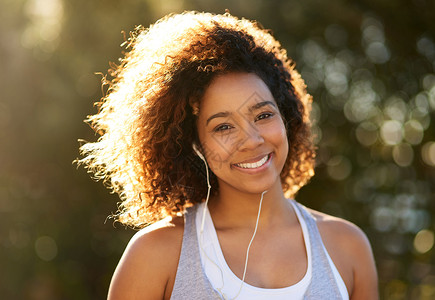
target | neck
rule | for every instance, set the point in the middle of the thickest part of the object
(235, 208)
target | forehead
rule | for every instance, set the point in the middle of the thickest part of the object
(234, 92)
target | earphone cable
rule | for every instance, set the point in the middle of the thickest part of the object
(202, 231)
(249, 246)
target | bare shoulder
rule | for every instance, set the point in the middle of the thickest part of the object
(148, 266)
(350, 250)
(339, 230)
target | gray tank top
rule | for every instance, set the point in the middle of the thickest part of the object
(191, 282)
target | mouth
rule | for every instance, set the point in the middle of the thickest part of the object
(256, 164)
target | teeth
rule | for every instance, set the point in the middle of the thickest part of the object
(254, 165)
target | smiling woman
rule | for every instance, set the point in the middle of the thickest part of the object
(205, 134)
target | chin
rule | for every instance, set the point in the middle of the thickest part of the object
(254, 187)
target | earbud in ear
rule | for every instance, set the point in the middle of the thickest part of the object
(196, 150)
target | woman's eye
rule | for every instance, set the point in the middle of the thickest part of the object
(264, 115)
(222, 128)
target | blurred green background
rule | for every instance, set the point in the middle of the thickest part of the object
(369, 64)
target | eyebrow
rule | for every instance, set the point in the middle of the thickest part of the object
(252, 108)
(218, 115)
(261, 104)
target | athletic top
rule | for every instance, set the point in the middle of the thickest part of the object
(197, 280)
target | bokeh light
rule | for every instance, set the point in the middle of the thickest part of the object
(45, 26)
(403, 154)
(339, 167)
(413, 132)
(424, 241)
(367, 133)
(373, 40)
(392, 132)
(428, 153)
(46, 248)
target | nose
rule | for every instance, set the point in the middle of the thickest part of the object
(250, 138)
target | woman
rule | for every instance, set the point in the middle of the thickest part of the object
(205, 134)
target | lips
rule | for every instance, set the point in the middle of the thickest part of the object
(256, 163)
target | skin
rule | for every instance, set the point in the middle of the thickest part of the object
(239, 123)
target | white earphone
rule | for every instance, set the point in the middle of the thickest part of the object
(201, 230)
(196, 150)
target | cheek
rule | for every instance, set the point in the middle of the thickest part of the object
(277, 132)
(279, 138)
(215, 153)
(286, 146)
(220, 147)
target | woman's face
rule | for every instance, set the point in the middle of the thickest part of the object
(242, 134)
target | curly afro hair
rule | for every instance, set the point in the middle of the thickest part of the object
(147, 119)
